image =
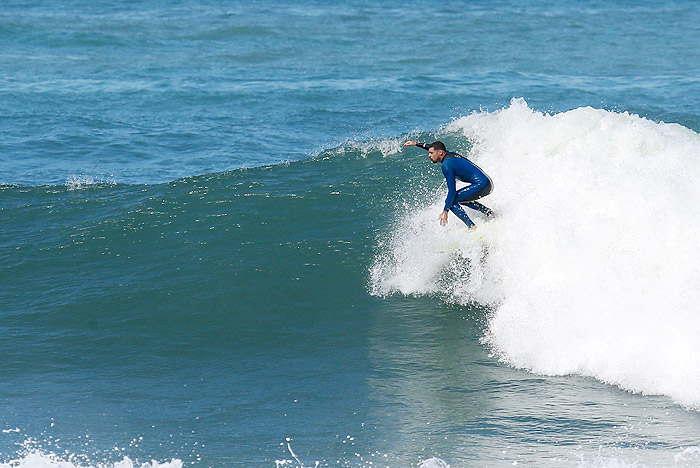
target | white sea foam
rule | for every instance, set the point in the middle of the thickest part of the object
(77, 182)
(593, 265)
(41, 460)
(434, 463)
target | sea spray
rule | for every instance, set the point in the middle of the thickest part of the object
(592, 265)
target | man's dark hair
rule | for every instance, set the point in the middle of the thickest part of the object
(438, 145)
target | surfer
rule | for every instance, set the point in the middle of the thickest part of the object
(457, 167)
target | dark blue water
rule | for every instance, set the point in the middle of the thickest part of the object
(214, 252)
(160, 90)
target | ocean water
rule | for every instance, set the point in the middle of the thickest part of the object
(215, 252)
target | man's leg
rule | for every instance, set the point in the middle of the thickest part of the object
(467, 196)
(479, 207)
(461, 214)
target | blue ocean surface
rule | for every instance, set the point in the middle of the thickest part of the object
(215, 251)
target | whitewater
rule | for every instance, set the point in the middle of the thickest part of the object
(592, 265)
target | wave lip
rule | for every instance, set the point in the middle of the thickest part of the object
(593, 265)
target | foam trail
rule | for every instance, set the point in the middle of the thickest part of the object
(290, 463)
(593, 264)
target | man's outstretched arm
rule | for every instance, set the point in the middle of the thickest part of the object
(425, 146)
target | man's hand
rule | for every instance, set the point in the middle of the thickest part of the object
(443, 218)
(410, 143)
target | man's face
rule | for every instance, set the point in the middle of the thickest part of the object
(435, 155)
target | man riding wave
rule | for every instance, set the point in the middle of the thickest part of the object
(457, 167)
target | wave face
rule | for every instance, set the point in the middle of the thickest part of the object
(592, 265)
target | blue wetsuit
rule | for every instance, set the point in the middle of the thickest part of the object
(455, 166)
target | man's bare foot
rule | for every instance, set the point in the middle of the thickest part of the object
(472, 228)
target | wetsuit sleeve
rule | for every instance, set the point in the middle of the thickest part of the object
(425, 146)
(449, 174)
